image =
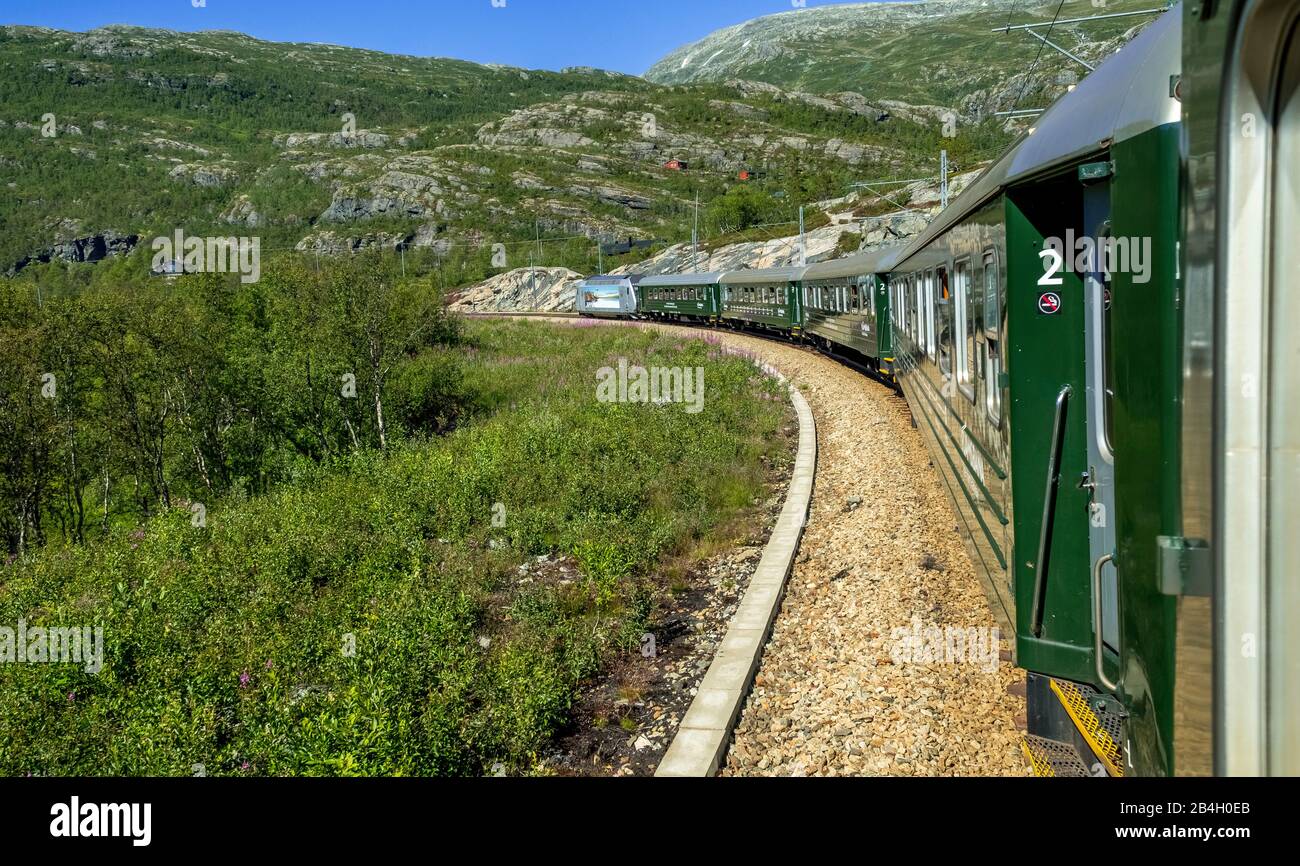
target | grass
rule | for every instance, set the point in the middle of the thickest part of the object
(368, 618)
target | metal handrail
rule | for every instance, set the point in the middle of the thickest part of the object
(1049, 510)
(1097, 621)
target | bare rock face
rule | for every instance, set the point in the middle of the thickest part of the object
(613, 195)
(548, 290)
(361, 139)
(242, 212)
(330, 243)
(84, 248)
(203, 175)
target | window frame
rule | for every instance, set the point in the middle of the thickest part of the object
(963, 326)
(993, 342)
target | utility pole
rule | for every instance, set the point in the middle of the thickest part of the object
(943, 178)
(600, 257)
(803, 241)
(695, 234)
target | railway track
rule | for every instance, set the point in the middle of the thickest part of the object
(879, 561)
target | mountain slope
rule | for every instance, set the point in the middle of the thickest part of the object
(326, 148)
(938, 52)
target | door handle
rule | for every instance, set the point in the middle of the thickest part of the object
(1097, 646)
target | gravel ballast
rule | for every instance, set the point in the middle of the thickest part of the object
(837, 693)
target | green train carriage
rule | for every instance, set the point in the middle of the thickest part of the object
(681, 297)
(846, 306)
(765, 299)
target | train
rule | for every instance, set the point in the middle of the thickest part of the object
(1095, 343)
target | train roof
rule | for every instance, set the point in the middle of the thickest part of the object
(1128, 94)
(707, 279)
(873, 262)
(762, 276)
(613, 279)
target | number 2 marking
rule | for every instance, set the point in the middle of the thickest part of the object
(1050, 278)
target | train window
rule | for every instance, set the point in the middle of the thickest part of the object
(964, 333)
(993, 331)
(855, 299)
(918, 311)
(926, 315)
(992, 289)
(943, 319)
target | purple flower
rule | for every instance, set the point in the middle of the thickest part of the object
(268, 664)
(245, 766)
(244, 680)
(72, 696)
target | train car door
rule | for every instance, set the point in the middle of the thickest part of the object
(1047, 378)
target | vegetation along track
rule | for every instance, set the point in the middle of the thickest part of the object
(879, 554)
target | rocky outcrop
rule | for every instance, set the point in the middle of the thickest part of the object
(548, 290)
(611, 195)
(204, 175)
(399, 193)
(87, 248)
(361, 139)
(241, 212)
(330, 243)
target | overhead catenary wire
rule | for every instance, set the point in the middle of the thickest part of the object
(1034, 66)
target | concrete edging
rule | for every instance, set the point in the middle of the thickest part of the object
(705, 731)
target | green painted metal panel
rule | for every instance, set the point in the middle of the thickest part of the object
(1146, 322)
(1046, 354)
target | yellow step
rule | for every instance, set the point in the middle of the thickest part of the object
(1101, 732)
(1052, 758)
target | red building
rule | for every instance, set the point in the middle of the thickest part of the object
(676, 165)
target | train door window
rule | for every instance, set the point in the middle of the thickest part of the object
(964, 331)
(914, 309)
(927, 319)
(928, 297)
(993, 333)
(943, 320)
(911, 306)
(855, 299)
(1107, 368)
(918, 312)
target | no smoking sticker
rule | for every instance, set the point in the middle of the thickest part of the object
(1049, 303)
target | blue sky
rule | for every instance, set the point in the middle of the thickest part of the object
(625, 35)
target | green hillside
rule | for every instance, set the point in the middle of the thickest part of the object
(219, 133)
